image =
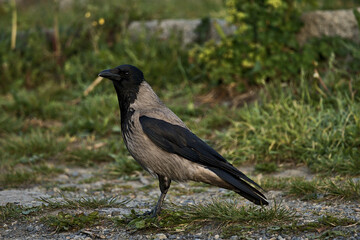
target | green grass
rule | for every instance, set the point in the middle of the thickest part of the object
(297, 124)
(135, 10)
(231, 212)
(42, 103)
(94, 114)
(123, 166)
(9, 123)
(85, 203)
(69, 222)
(23, 177)
(228, 215)
(348, 189)
(34, 143)
(17, 178)
(86, 157)
(326, 226)
(330, 220)
(11, 211)
(230, 219)
(266, 167)
(24, 157)
(316, 189)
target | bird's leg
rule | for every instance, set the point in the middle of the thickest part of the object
(164, 184)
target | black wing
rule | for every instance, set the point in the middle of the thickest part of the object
(178, 140)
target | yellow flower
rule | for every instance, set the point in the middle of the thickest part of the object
(247, 64)
(232, 11)
(230, 3)
(242, 28)
(240, 15)
(208, 51)
(229, 19)
(87, 14)
(101, 21)
(94, 23)
(201, 56)
(274, 3)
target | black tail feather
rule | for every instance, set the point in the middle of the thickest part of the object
(243, 188)
(257, 201)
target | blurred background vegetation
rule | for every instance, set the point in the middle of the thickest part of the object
(257, 96)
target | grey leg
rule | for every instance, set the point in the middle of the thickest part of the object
(164, 184)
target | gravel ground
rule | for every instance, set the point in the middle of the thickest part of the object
(143, 198)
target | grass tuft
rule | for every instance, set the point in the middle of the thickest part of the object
(349, 189)
(315, 189)
(17, 178)
(216, 212)
(13, 211)
(299, 126)
(36, 142)
(86, 203)
(97, 113)
(326, 225)
(231, 212)
(333, 221)
(85, 157)
(25, 177)
(266, 167)
(123, 165)
(69, 222)
(9, 124)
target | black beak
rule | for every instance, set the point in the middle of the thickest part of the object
(109, 73)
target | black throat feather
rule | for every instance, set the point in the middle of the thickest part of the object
(126, 97)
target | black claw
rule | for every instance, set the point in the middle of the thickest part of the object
(150, 214)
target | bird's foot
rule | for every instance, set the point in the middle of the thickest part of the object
(145, 215)
(150, 214)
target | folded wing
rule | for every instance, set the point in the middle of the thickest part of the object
(179, 140)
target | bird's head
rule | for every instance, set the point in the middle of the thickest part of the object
(124, 76)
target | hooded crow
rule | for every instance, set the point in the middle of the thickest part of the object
(162, 144)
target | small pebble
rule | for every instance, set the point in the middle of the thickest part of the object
(160, 236)
(30, 228)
